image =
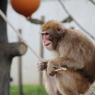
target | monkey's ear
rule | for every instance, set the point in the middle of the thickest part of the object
(59, 29)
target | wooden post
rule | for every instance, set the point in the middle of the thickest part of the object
(7, 52)
(41, 54)
(20, 72)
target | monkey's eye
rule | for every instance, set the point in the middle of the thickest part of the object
(42, 35)
(47, 33)
(55, 67)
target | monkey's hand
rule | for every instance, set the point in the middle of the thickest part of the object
(41, 65)
(51, 68)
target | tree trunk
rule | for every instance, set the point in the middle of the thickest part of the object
(7, 52)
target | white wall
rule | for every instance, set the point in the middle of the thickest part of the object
(82, 10)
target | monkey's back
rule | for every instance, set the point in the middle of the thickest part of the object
(80, 47)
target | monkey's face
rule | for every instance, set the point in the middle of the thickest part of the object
(51, 33)
(47, 40)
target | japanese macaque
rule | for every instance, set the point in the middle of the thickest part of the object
(73, 51)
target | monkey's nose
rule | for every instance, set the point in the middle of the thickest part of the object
(44, 37)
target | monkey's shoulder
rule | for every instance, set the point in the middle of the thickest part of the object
(76, 36)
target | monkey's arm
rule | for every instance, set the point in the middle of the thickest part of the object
(68, 62)
(65, 61)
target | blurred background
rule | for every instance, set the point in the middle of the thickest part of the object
(83, 11)
(76, 14)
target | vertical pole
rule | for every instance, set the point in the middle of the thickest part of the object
(41, 54)
(20, 72)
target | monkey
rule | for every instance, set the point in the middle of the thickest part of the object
(74, 51)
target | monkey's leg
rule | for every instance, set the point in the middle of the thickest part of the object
(50, 84)
(66, 84)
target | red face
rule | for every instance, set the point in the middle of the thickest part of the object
(47, 40)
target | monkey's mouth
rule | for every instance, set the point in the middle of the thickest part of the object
(47, 44)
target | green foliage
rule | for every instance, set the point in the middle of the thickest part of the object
(29, 90)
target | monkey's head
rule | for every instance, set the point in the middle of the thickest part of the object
(52, 32)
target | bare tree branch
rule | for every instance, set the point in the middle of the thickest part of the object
(92, 1)
(75, 20)
(68, 19)
(35, 21)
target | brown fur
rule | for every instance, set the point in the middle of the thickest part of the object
(75, 52)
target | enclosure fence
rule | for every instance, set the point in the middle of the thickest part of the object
(19, 35)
